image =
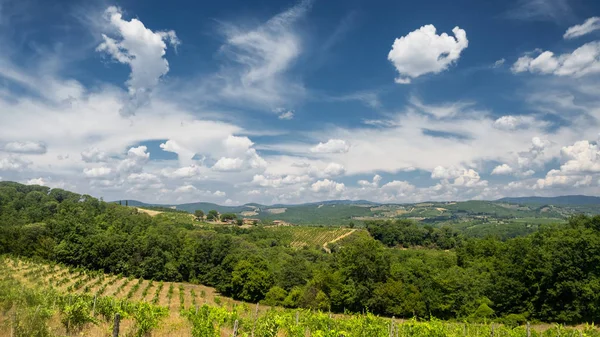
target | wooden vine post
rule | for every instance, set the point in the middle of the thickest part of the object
(528, 330)
(116, 325)
(235, 328)
(255, 319)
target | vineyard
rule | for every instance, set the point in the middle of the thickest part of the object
(311, 236)
(52, 300)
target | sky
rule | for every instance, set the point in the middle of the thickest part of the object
(299, 101)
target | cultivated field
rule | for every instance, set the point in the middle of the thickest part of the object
(312, 236)
(52, 300)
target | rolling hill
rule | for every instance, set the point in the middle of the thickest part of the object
(572, 200)
(340, 212)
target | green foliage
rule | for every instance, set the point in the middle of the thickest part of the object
(147, 317)
(199, 214)
(407, 233)
(76, 313)
(228, 216)
(548, 275)
(212, 215)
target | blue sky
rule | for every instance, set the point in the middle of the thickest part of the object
(295, 101)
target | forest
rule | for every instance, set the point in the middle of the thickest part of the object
(399, 269)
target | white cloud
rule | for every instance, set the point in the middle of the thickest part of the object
(334, 169)
(461, 176)
(423, 51)
(187, 188)
(502, 169)
(183, 154)
(93, 155)
(143, 178)
(331, 146)
(27, 147)
(97, 172)
(583, 61)
(140, 48)
(555, 178)
(371, 184)
(237, 145)
(36, 181)
(228, 164)
(13, 163)
(510, 122)
(399, 186)
(581, 165)
(590, 25)
(278, 181)
(582, 156)
(328, 186)
(137, 157)
(535, 156)
(219, 194)
(261, 58)
(286, 115)
(184, 172)
(499, 63)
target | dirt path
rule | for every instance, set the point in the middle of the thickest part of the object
(149, 211)
(345, 235)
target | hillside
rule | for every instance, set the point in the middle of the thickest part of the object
(344, 212)
(572, 200)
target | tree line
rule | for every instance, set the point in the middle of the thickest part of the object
(550, 275)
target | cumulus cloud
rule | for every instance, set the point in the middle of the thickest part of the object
(278, 181)
(423, 51)
(219, 194)
(334, 169)
(185, 155)
(399, 186)
(93, 155)
(590, 25)
(331, 146)
(27, 147)
(583, 61)
(370, 184)
(36, 181)
(582, 156)
(143, 178)
(556, 178)
(461, 176)
(510, 122)
(140, 48)
(328, 186)
(534, 157)
(187, 188)
(502, 169)
(137, 157)
(184, 172)
(97, 172)
(581, 162)
(228, 164)
(13, 163)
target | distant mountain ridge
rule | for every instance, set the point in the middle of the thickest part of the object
(572, 200)
(191, 207)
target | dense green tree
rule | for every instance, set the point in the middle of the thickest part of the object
(212, 215)
(199, 214)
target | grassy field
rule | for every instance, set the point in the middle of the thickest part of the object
(43, 300)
